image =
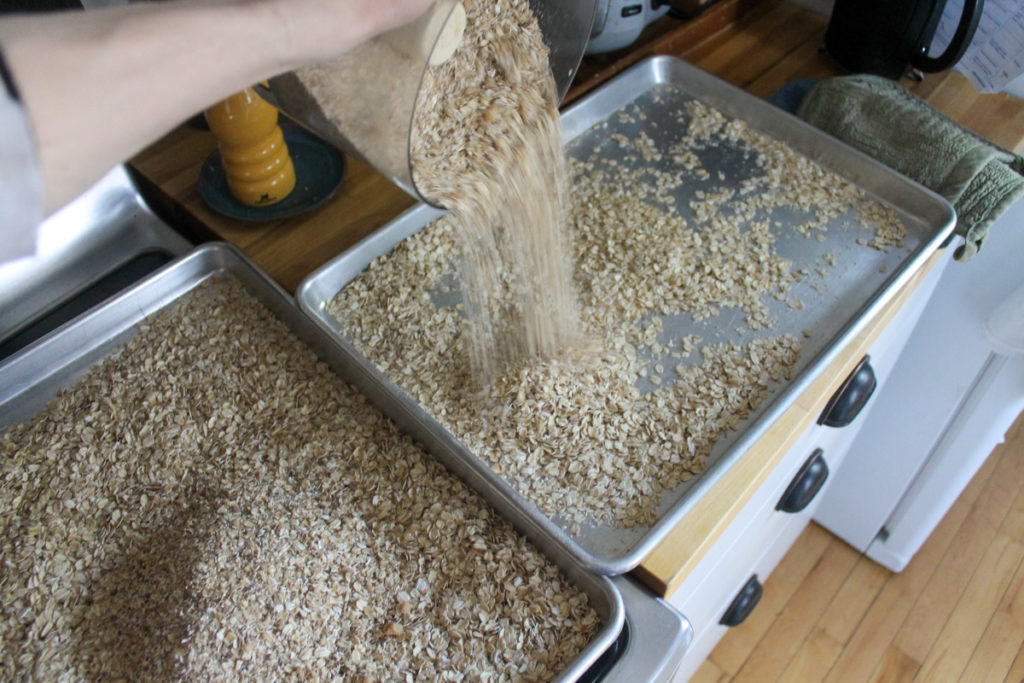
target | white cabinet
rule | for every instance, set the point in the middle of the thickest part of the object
(948, 403)
(762, 533)
(751, 546)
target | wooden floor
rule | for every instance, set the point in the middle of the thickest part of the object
(956, 613)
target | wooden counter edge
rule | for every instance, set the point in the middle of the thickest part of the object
(668, 565)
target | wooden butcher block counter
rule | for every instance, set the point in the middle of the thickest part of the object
(758, 45)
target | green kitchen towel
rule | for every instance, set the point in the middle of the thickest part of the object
(884, 120)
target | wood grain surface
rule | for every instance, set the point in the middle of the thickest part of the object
(756, 44)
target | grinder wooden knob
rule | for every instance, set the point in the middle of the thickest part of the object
(434, 38)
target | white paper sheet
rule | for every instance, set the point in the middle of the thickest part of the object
(996, 55)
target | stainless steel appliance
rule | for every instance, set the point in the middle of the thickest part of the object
(619, 23)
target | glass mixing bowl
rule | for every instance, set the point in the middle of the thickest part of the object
(372, 90)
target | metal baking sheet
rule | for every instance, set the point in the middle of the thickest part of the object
(32, 378)
(87, 251)
(648, 98)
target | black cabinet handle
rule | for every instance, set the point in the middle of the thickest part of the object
(806, 484)
(744, 603)
(846, 404)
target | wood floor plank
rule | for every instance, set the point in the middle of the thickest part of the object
(709, 673)
(732, 651)
(1016, 672)
(1003, 638)
(836, 624)
(872, 638)
(996, 503)
(896, 667)
(957, 641)
(814, 658)
(1013, 523)
(931, 610)
(773, 653)
(854, 599)
(875, 632)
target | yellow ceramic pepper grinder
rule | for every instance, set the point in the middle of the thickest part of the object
(256, 161)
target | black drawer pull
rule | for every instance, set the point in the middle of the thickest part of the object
(846, 404)
(744, 603)
(806, 484)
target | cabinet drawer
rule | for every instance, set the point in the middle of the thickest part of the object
(752, 548)
(728, 564)
(758, 524)
(705, 639)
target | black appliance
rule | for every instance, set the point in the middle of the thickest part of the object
(888, 37)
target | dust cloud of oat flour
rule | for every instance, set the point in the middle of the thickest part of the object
(487, 145)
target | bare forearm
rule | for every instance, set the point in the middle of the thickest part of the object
(98, 86)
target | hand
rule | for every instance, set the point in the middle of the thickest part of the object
(130, 73)
(316, 30)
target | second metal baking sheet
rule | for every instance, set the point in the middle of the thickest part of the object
(648, 98)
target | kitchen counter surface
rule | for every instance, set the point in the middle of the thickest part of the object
(758, 45)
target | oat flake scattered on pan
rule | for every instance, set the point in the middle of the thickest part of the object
(575, 434)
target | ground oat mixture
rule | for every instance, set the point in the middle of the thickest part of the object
(487, 144)
(212, 503)
(600, 433)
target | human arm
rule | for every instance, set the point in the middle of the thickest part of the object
(98, 86)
